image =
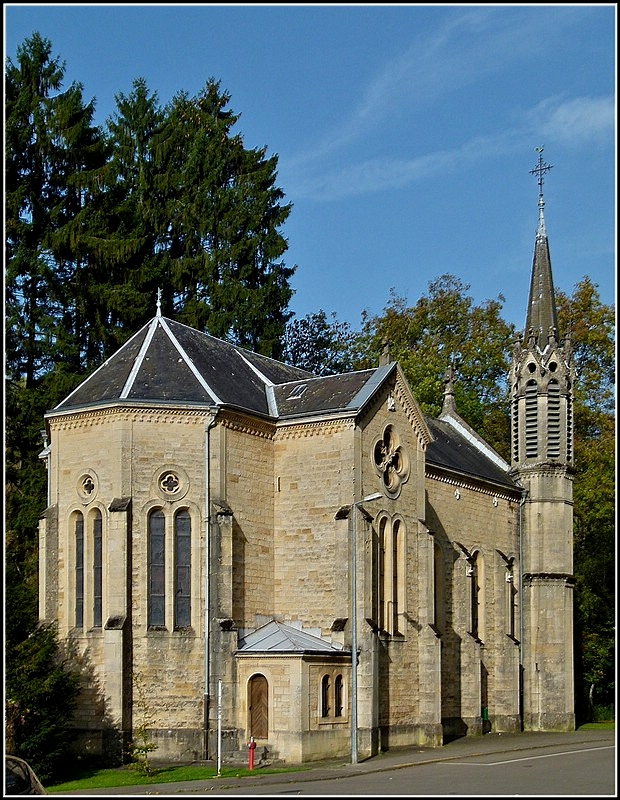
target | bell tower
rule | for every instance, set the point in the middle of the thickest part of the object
(541, 378)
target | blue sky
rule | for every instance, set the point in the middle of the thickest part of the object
(405, 133)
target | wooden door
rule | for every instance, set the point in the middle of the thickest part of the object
(259, 707)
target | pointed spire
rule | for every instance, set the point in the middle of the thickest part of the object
(541, 312)
(158, 314)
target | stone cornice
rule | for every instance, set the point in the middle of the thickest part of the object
(462, 482)
(526, 470)
(99, 416)
(243, 423)
(300, 430)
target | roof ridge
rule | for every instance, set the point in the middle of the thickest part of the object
(188, 361)
(139, 359)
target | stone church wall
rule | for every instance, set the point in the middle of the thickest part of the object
(480, 667)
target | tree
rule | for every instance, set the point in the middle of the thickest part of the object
(220, 242)
(445, 327)
(318, 345)
(41, 693)
(592, 325)
(53, 156)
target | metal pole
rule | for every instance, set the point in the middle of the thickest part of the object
(354, 726)
(219, 728)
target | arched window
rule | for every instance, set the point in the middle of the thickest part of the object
(515, 429)
(182, 569)
(391, 572)
(383, 532)
(395, 581)
(531, 420)
(338, 696)
(325, 687)
(476, 573)
(439, 589)
(97, 569)
(79, 570)
(156, 569)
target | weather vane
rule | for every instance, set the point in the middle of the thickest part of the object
(540, 169)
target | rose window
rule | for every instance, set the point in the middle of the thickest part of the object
(87, 487)
(390, 461)
(169, 483)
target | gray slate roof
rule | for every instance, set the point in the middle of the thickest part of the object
(168, 362)
(276, 637)
(453, 451)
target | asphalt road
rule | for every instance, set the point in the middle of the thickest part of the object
(580, 763)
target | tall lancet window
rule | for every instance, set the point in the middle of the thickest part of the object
(569, 428)
(79, 570)
(157, 569)
(97, 569)
(553, 420)
(531, 420)
(182, 569)
(515, 429)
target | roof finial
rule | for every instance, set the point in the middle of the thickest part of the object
(540, 170)
(159, 302)
(386, 356)
(449, 404)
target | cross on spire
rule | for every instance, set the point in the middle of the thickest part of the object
(540, 169)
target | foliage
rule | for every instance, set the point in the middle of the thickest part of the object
(322, 347)
(446, 328)
(41, 694)
(592, 327)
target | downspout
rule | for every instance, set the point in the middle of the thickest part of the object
(207, 618)
(521, 599)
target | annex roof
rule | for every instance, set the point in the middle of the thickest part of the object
(277, 637)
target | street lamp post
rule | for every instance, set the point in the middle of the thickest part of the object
(354, 507)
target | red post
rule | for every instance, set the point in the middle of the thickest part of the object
(251, 748)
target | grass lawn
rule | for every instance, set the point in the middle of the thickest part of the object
(125, 776)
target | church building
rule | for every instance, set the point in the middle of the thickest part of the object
(234, 548)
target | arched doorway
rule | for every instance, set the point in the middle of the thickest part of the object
(258, 706)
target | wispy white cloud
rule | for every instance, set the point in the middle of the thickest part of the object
(576, 121)
(460, 52)
(465, 49)
(573, 121)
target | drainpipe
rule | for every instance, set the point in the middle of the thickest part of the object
(521, 622)
(207, 619)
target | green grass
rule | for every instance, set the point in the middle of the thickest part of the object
(609, 725)
(125, 776)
